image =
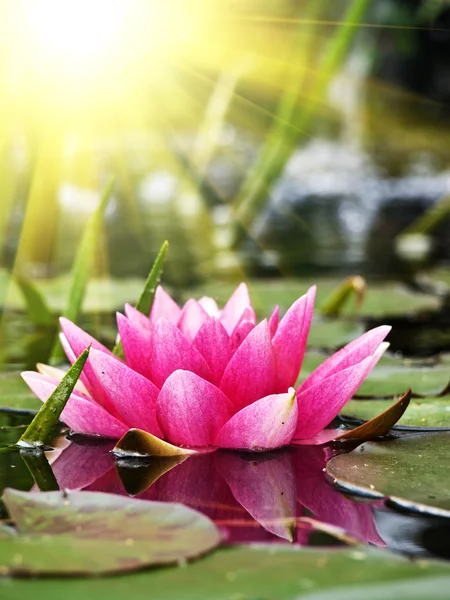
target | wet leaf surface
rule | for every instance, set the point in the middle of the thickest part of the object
(256, 572)
(412, 471)
(86, 533)
(14, 393)
(422, 413)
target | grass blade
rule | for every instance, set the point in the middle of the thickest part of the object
(82, 267)
(41, 427)
(37, 310)
(145, 301)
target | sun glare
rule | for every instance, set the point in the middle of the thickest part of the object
(77, 29)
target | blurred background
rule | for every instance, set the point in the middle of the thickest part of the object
(263, 139)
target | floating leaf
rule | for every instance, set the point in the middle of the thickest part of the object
(41, 428)
(394, 379)
(145, 301)
(137, 442)
(422, 413)
(412, 471)
(380, 425)
(93, 533)
(262, 572)
(15, 394)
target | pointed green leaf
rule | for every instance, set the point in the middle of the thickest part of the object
(145, 301)
(40, 429)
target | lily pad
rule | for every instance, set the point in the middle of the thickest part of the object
(390, 380)
(262, 572)
(14, 393)
(422, 413)
(412, 471)
(90, 533)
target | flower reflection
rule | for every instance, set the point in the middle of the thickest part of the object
(253, 497)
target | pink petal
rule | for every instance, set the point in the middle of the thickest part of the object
(233, 309)
(273, 321)
(250, 374)
(132, 395)
(136, 343)
(164, 307)
(289, 342)
(214, 344)
(210, 305)
(80, 413)
(171, 350)
(77, 341)
(137, 318)
(264, 425)
(191, 318)
(191, 410)
(240, 333)
(348, 356)
(266, 488)
(320, 404)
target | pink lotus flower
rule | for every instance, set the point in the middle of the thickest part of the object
(198, 376)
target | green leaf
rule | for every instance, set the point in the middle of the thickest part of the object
(145, 301)
(413, 471)
(258, 572)
(93, 533)
(15, 394)
(40, 429)
(40, 469)
(422, 413)
(84, 261)
(38, 311)
(393, 379)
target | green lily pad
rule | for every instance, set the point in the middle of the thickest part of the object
(421, 413)
(390, 380)
(412, 471)
(14, 393)
(90, 533)
(257, 572)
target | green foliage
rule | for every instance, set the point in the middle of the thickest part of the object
(41, 428)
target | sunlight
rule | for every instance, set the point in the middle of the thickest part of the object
(77, 29)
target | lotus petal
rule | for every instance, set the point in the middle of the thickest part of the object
(133, 396)
(264, 425)
(350, 355)
(240, 333)
(81, 414)
(236, 305)
(77, 341)
(191, 410)
(164, 307)
(273, 321)
(136, 343)
(191, 318)
(289, 342)
(320, 404)
(171, 350)
(214, 344)
(210, 305)
(251, 372)
(137, 318)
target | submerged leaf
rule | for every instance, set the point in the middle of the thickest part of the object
(40, 429)
(92, 533)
